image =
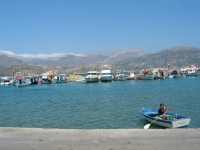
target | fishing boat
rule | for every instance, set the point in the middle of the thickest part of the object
(198, 71)
(131, 76)
(138, 75)
(119, 77)
(6, 81)
(192, 72)
(61, 78)
(175, 121)
(21, 82)
(147, 75)
(75, 78)
(158, 74)
(46, 79)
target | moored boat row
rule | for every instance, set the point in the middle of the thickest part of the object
(52, 77)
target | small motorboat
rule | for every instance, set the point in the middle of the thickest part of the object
(20, 82)
(175, 121)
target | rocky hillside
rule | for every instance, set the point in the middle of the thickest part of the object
(10, 66)
(10, 61)
(177, 56)
(129, 59)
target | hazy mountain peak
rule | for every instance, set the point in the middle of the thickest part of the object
(180, 48)
(52, 56)
(136, 51)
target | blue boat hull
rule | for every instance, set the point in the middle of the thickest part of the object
(176, 121)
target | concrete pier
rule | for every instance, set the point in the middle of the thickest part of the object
(114, 139)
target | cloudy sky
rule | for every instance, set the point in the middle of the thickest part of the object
(84, 26)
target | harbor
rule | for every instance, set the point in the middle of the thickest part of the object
(99, 75)
(59, 139)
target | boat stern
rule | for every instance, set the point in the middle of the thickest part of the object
(181, 122)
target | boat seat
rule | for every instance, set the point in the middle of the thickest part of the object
(156, 116)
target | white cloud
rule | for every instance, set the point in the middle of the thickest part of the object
(53, 56)
(9, 53)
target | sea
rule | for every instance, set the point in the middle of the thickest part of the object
(112, 105)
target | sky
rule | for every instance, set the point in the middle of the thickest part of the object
(86, 26)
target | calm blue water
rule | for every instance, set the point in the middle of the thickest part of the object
(97, 105)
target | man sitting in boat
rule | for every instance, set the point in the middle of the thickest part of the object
(162, 110)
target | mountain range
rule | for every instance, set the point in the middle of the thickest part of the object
(74, 60)
(121, 59)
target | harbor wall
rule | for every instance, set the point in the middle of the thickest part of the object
(98, 139)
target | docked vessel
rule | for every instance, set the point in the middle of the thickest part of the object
(92, 76)
(7, 81)
(61, 78)
(176, 121)
(158, 74)
(192, 72)
(131, 76)
(106, 76)
(147, 75)
(120, 77)
(20, 82)
(75, 78)
(46, 79)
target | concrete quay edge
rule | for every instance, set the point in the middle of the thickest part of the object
(98, 139)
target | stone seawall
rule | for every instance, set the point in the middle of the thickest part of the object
(100, 139)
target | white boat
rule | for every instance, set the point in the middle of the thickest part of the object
(20, 82)
(169, 76)
(192, 72)
(92, 76)
(176, 121)
(106, 76)
(120, 77)
(81, 80)
(61, 78)
(158, 74)
(131, 76)
(7, 81)
(198, 71)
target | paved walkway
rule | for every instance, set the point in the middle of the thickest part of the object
(120, 139)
